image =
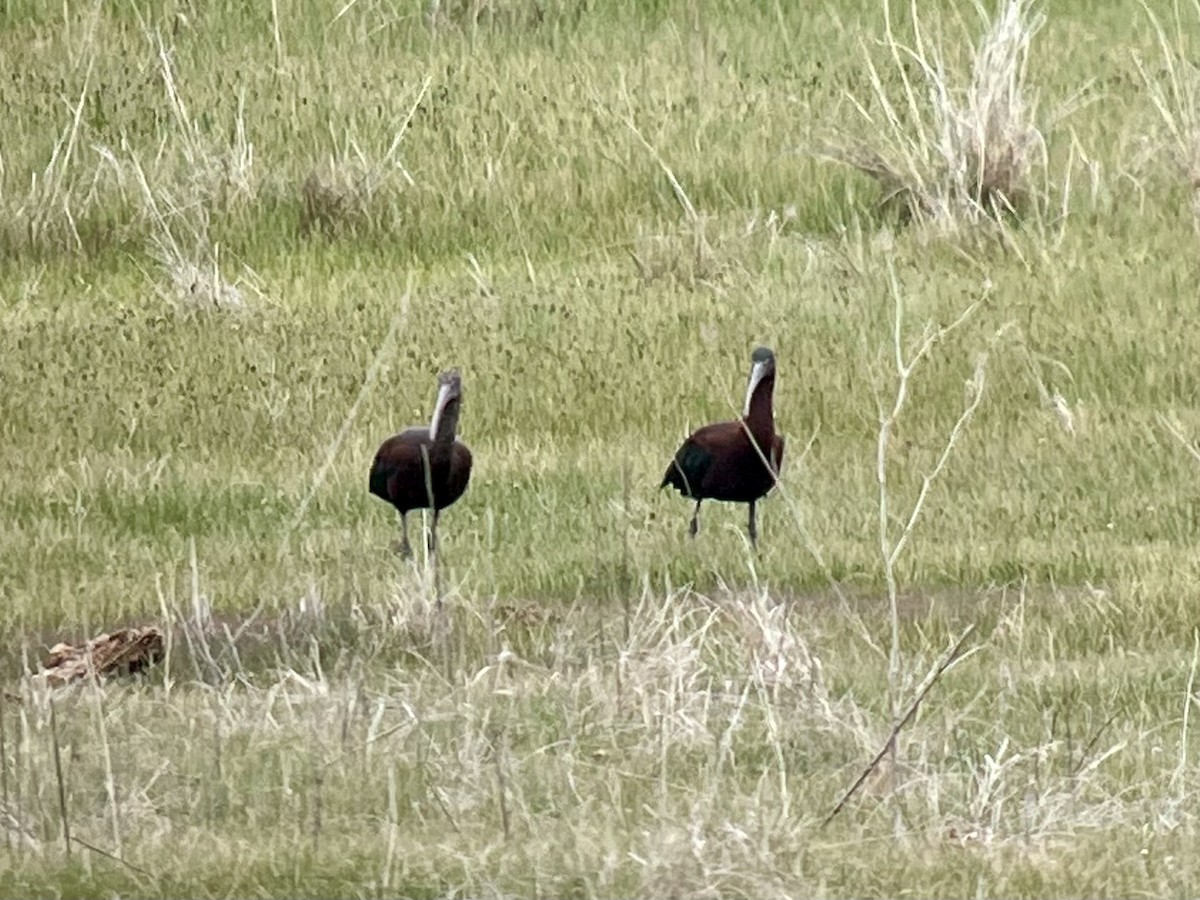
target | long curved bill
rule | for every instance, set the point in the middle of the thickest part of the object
(756, 376)
(439, 407)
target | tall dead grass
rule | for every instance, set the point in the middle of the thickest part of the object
(1175, 94)
(952, 148)
(696, 752)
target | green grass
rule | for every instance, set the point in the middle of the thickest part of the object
(608, 708)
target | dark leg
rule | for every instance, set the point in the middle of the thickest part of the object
(432, 544)
(433, 561)
(695, 526)
(753, 528)
(403, 547)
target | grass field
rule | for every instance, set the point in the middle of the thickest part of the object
(239, 241)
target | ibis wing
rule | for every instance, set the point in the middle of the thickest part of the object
(687, 469)
(382, 469)
(777, 455)
(397, 454)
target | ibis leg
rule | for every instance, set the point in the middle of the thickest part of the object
(403, 547)
(753, 528)
(432, 545)
(695, 526)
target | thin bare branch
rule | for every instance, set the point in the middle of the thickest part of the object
(930, 680)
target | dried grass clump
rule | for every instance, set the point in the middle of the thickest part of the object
(197, 285)
(946, 152)
(508, 13)
(356, 187)
(704, 251)
(219, 174)
(187, 257)
(336, 198)
(1176, 99)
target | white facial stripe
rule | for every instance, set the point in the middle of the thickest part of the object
(756, 375)
(442, 398)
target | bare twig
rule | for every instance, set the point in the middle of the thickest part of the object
(393, 827)
(372, 375)
(890, 549)
(110, 782)
(4, 765)
(930, 680)
(1176, 431)
(58, 775)
(318, 776)
(498, 747)
(114, 857)
(1090, 745)
(1189, 697)
(680, 194)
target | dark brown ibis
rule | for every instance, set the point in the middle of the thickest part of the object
(736, 461)
(425, 467)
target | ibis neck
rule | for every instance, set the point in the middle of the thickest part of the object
(760, 417)
(444, 426)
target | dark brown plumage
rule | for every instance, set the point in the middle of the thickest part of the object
(425, 467)
(725, 461)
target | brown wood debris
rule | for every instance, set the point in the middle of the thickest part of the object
(123, 652)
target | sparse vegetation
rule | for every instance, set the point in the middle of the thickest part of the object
(596, 210)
